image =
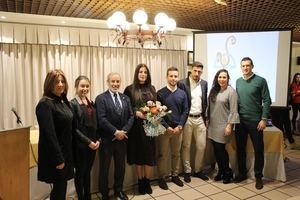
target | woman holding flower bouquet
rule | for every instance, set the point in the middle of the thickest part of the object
(141, 148)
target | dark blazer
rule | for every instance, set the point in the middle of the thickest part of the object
(185, 85)
(55, 139)
(84, 127)
(108, 119)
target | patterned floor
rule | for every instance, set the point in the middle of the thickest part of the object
(210, 190)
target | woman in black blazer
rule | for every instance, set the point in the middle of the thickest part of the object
(85, 137)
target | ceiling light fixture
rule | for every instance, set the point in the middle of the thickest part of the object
(141, 32)
(221, 2)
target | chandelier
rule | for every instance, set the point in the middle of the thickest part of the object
(141, 31)
(221, 2)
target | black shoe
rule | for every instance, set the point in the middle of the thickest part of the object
(148, 188)
(187, 177)
(104, 197)
(121, 195)
(291, 140)
(162, 184)
(228, 176)
(141, 186)
(218, 177)
(259, 184)
(201, 175)
(240, 178)
(177, 181)
(213, 166)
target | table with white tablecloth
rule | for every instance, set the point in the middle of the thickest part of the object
(274, 155)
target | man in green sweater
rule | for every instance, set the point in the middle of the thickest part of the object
(254, 107)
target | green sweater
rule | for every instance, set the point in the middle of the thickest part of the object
(253, 98)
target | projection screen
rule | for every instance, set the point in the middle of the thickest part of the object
(269, 50)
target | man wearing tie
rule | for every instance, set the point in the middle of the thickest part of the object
(115, 118)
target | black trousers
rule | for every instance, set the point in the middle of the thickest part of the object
(242, 130)
(59, 189)
(222, 157)
(117, 150)
(296, 109)
(84, 159)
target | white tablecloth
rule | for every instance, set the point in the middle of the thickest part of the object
(274, 155)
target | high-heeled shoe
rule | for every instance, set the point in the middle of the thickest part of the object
(141, 186)
(148, 188)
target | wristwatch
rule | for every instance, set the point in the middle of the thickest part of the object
(264, 119)
(180, 127)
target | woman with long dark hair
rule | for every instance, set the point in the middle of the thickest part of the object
(141, 148)
(295, 98)
(222, 115)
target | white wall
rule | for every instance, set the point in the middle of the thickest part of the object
(295, 53)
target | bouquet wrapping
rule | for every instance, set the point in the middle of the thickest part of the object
(154, 112)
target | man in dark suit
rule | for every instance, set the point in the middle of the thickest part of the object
(196, 90)
(115, 118)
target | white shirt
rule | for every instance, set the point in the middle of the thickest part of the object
(196, 99)
(172, 90)
(118, 96)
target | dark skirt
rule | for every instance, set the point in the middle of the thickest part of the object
(140, 148)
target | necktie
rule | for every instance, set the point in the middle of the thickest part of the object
(117, 104)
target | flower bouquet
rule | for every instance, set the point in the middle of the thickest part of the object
(154, 113)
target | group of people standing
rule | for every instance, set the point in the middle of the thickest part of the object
(68, 135)
(71, 132)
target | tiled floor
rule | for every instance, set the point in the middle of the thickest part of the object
(202, 190)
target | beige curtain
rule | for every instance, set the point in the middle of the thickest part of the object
(23, 68)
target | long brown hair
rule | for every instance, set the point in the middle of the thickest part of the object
(137, 94)
(49, 84)
(136, 81)
(215, 86)
(295, 77)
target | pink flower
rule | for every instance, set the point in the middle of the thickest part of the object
(150, 103)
